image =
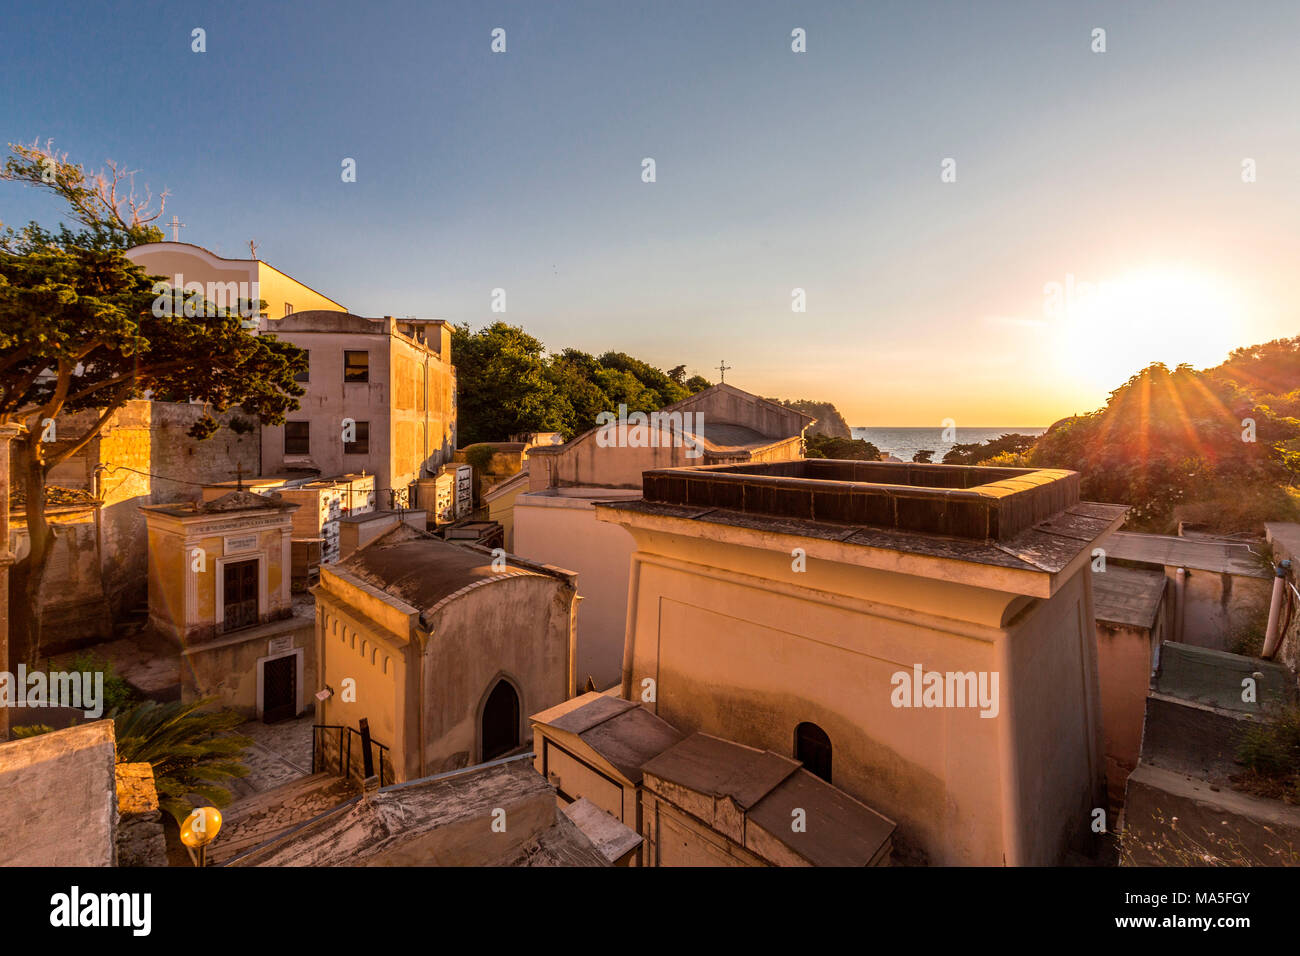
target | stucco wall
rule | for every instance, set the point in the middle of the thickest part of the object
(516, 628)
(564, 532)
(742, 648)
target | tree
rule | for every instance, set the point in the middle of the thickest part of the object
(818, 445)
(923, 457)
(84, 328)
(191, 750)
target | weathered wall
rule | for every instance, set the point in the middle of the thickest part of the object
(58, 801)
(228, 668)
(515, 628)
(143, 439)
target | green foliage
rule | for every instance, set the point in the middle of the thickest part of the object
(117, 692)
(508, 383)
(1271, 751)
(981, 453)
(1170, 443)
(923, 456)
(191, 750)
(30, 730)
(824, 446)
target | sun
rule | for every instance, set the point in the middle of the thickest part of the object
(1112, 329)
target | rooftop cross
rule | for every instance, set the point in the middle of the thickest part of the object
(723, 368)
(239, 476)
(176, 225)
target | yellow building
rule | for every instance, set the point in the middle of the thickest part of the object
(224, 281)
(219, 576)
(443, 649)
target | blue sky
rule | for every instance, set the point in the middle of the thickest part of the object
(775, 170)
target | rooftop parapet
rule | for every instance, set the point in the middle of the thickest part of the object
(963, 501)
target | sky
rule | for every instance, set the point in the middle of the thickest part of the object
(1099, 219)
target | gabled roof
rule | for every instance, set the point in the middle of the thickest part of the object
(620, 733)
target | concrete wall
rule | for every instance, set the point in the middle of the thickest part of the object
(1219, 607)
(58, 801)
(1125, 656)
(563, 531)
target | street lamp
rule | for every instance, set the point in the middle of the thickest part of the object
(199, 829)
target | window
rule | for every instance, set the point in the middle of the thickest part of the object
(297, 438)
(362, 444)
(288, 309)
(356, 366)
(305, 376)
(812, 748)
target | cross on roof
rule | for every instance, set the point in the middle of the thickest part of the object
(176, 225)
(239, 476)
(723, 368)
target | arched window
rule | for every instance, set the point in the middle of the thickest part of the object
(812, 748)
(500, 725)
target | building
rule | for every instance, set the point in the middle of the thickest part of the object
(380, 392)
(699, 800)
(381, 398)
(143, 455)
(225, 281)
(554, 519)
(1130, 606)
(1219, 588)
(920, 636)
(219, 587)
(443, 649)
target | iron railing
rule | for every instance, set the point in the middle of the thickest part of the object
(322, 750)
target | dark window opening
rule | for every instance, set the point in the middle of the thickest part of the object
(812, 748)
(361, 444)
(356, 366)
(239, 595)
(500, 731)
(297, 438)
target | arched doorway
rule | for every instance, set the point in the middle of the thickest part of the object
(499, 731)
(812, 748)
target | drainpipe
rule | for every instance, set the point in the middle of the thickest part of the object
(632, 589)
(1180, 603)
(1273, 635)
(1012, 820)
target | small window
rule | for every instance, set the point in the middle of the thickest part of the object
(297, 438)
(362, 445)
(288, 309)
(812, 748)
(305, 375)
(356, 366)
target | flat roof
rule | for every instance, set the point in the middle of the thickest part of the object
(1127, 596)
(1048, 546)
(1220, 555)
(1201, 675)
(963, 501)
(621, 731)
(839, 831)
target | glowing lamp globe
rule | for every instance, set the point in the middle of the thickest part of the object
(201, 827)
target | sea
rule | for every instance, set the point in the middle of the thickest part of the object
(905, 442)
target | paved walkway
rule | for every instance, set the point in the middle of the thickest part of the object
(281, 753)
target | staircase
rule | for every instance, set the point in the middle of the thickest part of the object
(257, 818)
